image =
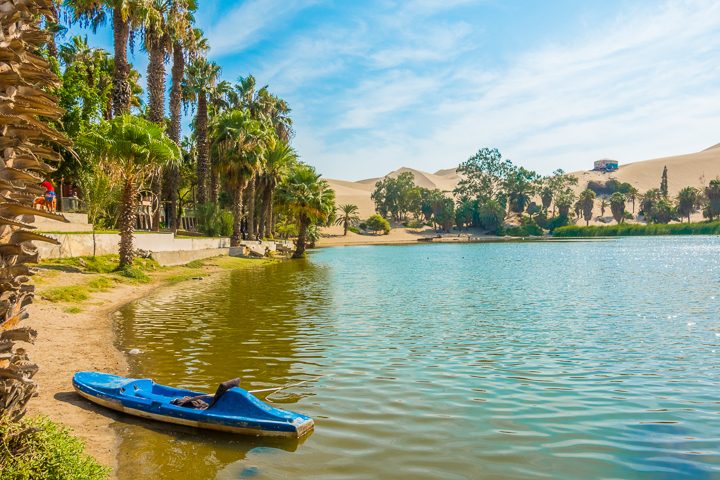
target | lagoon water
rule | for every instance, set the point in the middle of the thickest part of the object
(569, 360)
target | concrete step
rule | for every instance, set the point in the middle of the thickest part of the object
(78, 223)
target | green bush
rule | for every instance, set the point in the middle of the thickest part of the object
(215, 221)
(626, 229)
(362, 226)
(376, 223)
(557, 222)
(527, 228)
(353, 229)
(415, 223)
(38, 449)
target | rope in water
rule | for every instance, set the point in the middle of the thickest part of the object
(277, 389)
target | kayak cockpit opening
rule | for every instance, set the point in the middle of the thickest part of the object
(200, 402)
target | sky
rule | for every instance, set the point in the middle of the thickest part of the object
(375, 85)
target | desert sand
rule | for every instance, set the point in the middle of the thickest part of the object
(694, 169)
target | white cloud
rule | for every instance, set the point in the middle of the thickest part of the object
(250, 22)
(644, 84)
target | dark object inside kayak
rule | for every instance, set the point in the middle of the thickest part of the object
(199, 402)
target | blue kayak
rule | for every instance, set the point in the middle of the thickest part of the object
(231, 409)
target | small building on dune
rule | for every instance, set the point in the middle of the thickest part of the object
(606, 165)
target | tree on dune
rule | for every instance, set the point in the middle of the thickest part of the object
(348, 216)
(633, 194)
(664, 183)
(587, 203)
(308, 199)
(603, 206)
(132, 149)
(617, 206)
(687, 201)
(712, 194)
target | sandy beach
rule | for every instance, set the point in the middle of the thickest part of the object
(70, 342)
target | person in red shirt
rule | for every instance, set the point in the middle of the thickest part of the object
(49, 195)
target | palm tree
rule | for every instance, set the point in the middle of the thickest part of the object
(587, 202)
(200, 79)
(348, 216)
(633, 194)
(131, 149)
(26, 144)
(278, 160)
(219, 100)
(603, 206)
(238, 143)
(617, 206)
(127, 15)
(308, 199)
(687, 200)
(188, 42)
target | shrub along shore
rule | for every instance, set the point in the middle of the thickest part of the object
(635, 229)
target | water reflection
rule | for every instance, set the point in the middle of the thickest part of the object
(245, 324)
(566, 361)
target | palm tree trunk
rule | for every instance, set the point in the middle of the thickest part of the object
(302, 234)
(251, 208)
(237, 217)
(171, 180)
(127, 223)
(202, 149)
(269, 218)
(121, 92)
(214, 181)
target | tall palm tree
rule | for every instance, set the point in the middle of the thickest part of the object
(219, 101)
(238, 142)
(26, 145)
(200, 79)
(132, 149)
(603, 206)
(687, 201)
(587, 202)
(127, 15)
(306, 198)
(633, 194)
(617, 206)
(188, 43)
(279, 158)
(348, 216)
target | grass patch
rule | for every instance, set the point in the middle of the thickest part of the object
(73, 309)
(635, 229)
(100, 263)
(135, 274)
(195, 264)
(70, 294)
(39, 449)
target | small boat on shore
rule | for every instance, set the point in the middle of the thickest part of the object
(231, 409)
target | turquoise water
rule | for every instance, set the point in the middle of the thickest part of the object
(564, 360)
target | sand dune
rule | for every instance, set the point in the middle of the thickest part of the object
(694, 169)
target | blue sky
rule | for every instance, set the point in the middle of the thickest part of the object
(376, 85)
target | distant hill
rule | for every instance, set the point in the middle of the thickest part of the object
(694, 169)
